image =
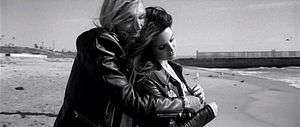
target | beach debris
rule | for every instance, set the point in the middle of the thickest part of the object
(6, 124)
(235, 107)
(24, 114)
(187, 74)
(197, 76)
(36, 123)
(242, 81)
(220, 73)
(21, 114)
(215, 76)
(19, 88)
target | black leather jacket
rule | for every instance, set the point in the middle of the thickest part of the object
(154, 83)
(98, 93)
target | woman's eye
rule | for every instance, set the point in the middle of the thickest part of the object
(161, 47)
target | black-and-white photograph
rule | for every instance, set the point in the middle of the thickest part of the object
(149, 63)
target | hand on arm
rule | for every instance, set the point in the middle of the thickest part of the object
(193, 103)
(198, 91)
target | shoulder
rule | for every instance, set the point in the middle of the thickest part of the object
(89, 34)
(98, 38)
(148, 85)
(84, 40)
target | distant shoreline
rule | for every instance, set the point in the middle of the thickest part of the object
(36, 51)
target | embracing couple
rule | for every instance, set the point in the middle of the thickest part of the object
(124, 76)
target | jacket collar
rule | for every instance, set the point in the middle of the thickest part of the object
(162, 76)
(178, 70)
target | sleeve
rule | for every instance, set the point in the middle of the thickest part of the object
(204, 116)
(101, 61)
(148, 87)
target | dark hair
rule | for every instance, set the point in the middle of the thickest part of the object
(159, 17)
(157, 20)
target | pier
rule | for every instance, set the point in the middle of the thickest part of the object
(243, 59)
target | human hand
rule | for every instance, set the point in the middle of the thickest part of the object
(214, 107)
(193, 103)
(199, 92)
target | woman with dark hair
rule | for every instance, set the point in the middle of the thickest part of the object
(156, 75)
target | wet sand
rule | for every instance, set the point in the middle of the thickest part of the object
(32, 90)
(246, 101)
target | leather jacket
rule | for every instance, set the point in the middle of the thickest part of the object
(98, 93)
(154, 83)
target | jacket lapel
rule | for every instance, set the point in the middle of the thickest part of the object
(178, 70)
(161, 77)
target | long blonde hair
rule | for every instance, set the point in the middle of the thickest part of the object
(114, 12)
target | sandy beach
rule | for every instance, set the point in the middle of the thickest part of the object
(32, 90)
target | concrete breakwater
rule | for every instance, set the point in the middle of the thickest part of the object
(248, 54)
(240, 62)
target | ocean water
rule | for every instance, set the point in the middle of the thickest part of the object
(290, 75)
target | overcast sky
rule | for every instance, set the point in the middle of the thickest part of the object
(204, 25)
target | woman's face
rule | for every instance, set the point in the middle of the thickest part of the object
(130, 28)
(163, 46)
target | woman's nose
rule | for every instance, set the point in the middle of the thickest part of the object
(171, 47)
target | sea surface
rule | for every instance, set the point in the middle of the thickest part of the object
(291, 75)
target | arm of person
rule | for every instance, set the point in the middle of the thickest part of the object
(147, 86)
(198, 91)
